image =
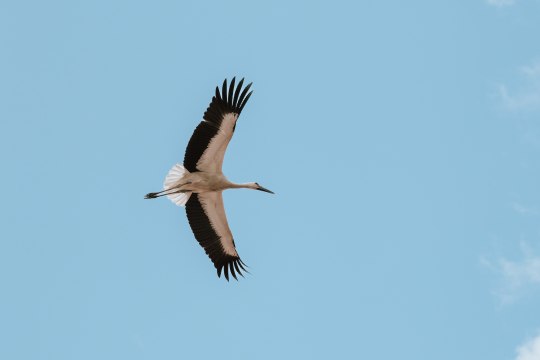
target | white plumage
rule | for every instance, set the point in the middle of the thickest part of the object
(198, 183)
(173, 178)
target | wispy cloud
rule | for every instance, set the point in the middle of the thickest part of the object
(525, 210)
(501, 3)
(516, 277)
(528, 95)
(529, 350)
(532, 71)
(521, 100)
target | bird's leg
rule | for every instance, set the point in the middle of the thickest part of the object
(164, 192)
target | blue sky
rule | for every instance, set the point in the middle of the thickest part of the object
(402, 139)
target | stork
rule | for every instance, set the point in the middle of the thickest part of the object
(198, 184)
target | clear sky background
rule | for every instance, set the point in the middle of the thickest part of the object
(402, 139)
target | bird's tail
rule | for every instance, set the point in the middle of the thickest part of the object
(173, 178)
(172, 186)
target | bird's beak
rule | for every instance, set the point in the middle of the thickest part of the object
(264, 189)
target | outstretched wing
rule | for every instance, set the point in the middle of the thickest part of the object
(206, 148)
(206, 216)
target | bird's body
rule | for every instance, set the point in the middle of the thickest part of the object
(198, 183)
(201, 182)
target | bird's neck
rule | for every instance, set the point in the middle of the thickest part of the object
(243, 186)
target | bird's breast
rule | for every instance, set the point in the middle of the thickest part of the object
(203, 182)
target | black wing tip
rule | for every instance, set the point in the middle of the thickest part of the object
(231, 92)
(234, 266)
(233, 97)
(229, 98)
(245, 101)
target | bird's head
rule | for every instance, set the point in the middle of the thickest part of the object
(256, 186)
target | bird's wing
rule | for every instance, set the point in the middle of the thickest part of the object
(206, 148)
(206, 216)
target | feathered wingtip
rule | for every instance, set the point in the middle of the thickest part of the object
(233, 265)
(237, 98)
(231, 98)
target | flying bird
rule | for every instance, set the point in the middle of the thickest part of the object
(198, 183)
